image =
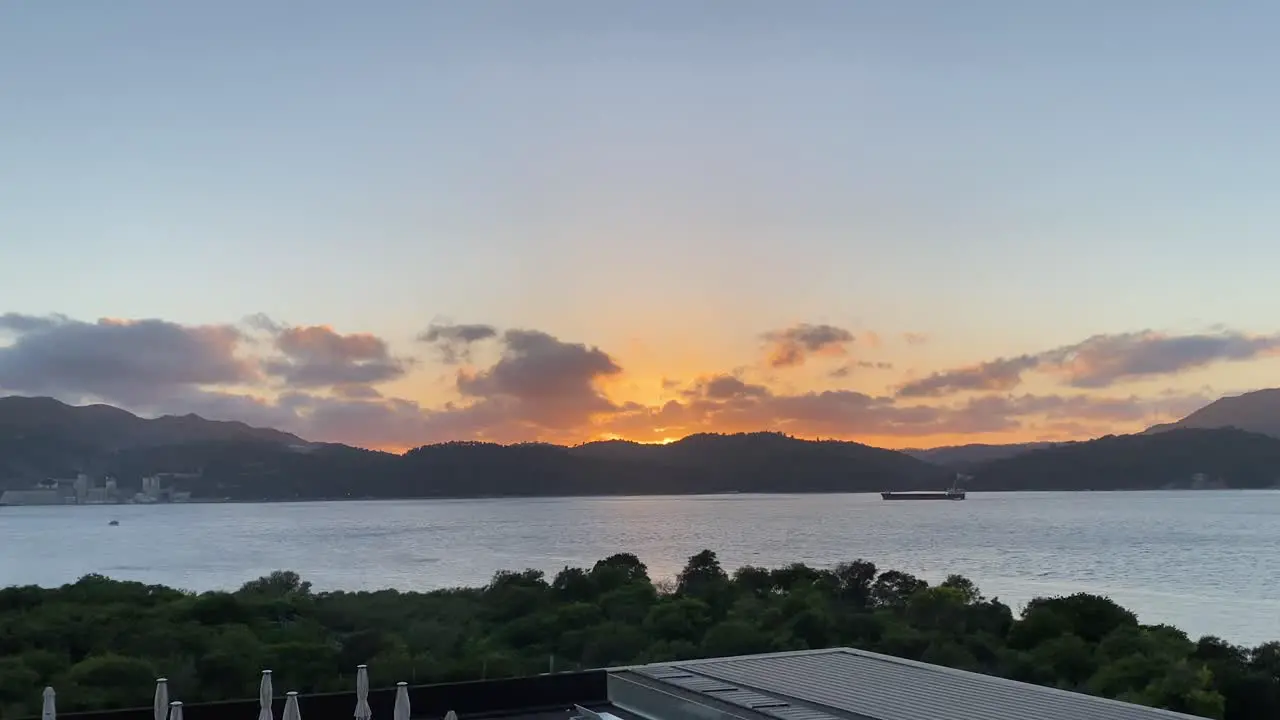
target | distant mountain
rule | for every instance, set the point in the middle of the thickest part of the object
(112, 428)
(1257, 411)
(965, 457)
(40, 436)
(1175, 459)
(704, 463)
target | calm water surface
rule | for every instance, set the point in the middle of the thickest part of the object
(1207, 562)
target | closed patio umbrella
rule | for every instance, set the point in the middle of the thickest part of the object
(160, 708)
(264, 696)
(49, 710)
(291, 710)
(401, 711)
(363, 711)
(175, 710)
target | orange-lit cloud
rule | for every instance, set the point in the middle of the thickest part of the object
(511, 385)
(791, 347)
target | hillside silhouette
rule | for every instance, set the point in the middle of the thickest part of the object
(1176, 459)
(967, 457)
(1257, 411)
(42, 438)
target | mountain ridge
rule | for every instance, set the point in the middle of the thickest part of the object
(117, 428)
(41, 437)
(1256, 411)
(963, 457)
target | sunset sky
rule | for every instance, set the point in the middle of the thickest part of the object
(906, 223)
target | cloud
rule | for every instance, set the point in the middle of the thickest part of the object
(324, 385)
(316, 357)
(725, 387)
(1101, 361)
(999, 374)
(129, 362)
(543, 380)
(454, 341)
(851, 414)
(846, 370)
(914, 338)
(791, 347)
(1104, 360)
(843, 413)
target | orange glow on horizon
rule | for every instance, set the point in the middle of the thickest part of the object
(888, 442)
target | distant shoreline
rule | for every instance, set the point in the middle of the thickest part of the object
(273, 501)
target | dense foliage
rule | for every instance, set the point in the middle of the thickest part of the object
(101, 642)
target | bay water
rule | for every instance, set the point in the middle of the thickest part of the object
(1206, 562)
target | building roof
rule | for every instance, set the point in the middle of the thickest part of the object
(848, 684)
(837, 684)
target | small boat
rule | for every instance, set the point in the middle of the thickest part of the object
(113, 523)
(952, 493)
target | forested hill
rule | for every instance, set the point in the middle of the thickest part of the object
(1257, 411)
(760, 462)
(967, 457)
(1176, 459)
(47, 439)
(41, 438)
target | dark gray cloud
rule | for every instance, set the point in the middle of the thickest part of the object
(1104, 360)
(317, 357)
(724, 387)
(845, 371)
(1101, 361)
(792, 346)
(124, 362)
(454, 341)
(22, 324)
(543, 380)
(357, 392)
(1000, 374)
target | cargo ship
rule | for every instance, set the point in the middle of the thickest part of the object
(955, 492)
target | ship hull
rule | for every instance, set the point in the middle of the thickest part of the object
(922, 496)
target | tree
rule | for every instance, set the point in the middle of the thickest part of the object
(111, 681)
(893, 589)
(617, 570)
(854, 580)
(702, 577)
(279, 584)
(101, 642)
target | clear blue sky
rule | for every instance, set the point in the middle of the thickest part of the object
(1001, 176)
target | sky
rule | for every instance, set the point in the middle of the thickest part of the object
(905, 223)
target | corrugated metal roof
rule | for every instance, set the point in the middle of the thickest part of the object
(881, 687)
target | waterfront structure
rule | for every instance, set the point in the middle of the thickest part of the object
(833, 684)
(34, 496)
(51, 491)
(82, 490)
